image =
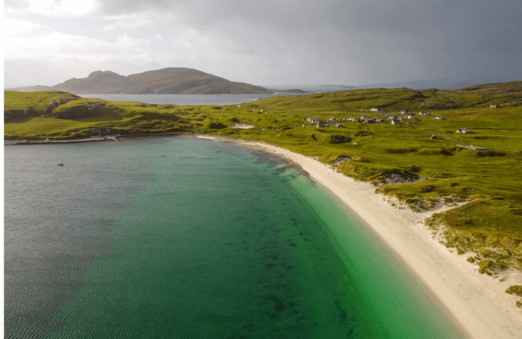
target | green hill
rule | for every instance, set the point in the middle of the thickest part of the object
(164, 81)
(36, 88)
(96, 82)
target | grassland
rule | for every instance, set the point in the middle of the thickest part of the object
(421, 162)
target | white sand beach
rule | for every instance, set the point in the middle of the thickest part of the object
(477, 302)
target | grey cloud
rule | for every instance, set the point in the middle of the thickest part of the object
(15, 4)
(348, 41)
(473, 21)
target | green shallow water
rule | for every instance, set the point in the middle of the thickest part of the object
(211, 240)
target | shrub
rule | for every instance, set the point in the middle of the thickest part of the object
(515, 289)
(400, 150)
(427, 188)
(339, 139)
(490, 154)
(485, 265)
(216, 125)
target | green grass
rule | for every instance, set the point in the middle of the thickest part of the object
(401, 160)
(36, 100)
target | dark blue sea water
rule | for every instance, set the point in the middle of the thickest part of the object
(188, 238)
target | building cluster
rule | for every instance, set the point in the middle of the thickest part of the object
(404, 115)
(392, 119)
(332, 122)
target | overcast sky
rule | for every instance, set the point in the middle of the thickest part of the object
(265, 42)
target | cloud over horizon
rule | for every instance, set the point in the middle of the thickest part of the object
(268, 42)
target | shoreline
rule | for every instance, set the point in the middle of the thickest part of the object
(476, 302)
(8, 142)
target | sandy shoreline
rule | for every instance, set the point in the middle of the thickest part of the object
(477, 302)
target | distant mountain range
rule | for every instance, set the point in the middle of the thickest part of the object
(164, 81)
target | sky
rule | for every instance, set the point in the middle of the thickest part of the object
(265, 42)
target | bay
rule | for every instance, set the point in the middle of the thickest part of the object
(188, 99)
(181, 237)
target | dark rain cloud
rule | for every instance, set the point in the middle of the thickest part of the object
(347, 41)
(416, 38)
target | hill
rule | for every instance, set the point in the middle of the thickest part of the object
(163, 81)
(36, 88)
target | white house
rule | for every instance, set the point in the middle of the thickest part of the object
(439, 118)
(424, 113)
(463, 131)
(375, 109)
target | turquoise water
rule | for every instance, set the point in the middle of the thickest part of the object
(209, 240)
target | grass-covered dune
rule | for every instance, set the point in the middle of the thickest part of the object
(421, 161)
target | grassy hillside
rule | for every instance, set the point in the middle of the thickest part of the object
(421, 161)
(38, 101)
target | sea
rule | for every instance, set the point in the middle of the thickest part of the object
(179, 237)
(188, 99)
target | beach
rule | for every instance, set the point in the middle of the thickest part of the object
(477, 302)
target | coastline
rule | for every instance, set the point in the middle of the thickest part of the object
(476, 302)
(8, 142)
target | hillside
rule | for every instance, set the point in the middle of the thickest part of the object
(96, 82)
(504, 94)
(36, 88)
(163, 81)
(319, 105)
